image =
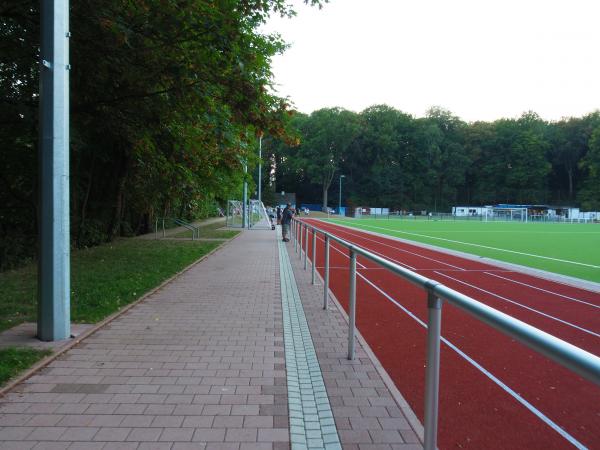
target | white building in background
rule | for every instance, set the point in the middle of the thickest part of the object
(534, 212)
(470, 210)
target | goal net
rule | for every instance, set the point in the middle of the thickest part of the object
(506, 214)
(257, 216)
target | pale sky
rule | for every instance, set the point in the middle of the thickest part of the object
(481, 59)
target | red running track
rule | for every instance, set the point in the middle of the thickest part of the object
(495, 393)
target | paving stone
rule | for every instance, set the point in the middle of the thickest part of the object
(203, 363)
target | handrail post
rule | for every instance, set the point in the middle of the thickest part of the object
(432, 374)
(306, 247)
(352, 305)
(300, 243)
(326, 274)
(314, 253)
(296, 236)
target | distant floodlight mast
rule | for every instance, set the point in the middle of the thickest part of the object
(260, 168)
(340, 202)
(54, 254)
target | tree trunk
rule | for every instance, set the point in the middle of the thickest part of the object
(570, 175)
(325, 191)
(115, 224)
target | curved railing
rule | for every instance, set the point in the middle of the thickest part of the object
(180, 222)
(573, 358)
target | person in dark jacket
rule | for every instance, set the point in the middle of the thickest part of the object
(286, 220)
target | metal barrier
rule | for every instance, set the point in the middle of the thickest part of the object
(573, 358)
(182, 223)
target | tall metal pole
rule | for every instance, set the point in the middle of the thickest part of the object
(260, 168)
(54, 272)
(245, 198)
(326, 273)
(340, 201)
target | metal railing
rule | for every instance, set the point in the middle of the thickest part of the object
(180, 222)
(573, 358)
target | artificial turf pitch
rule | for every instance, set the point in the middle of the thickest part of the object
(571, 249)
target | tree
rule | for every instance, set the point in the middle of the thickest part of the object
(167, 97)
(327, 135)
(590, 193)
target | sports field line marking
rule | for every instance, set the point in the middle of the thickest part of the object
(564, 322)
(487, 373)
(362, 266)
(479, 367)
(543, 290)
(478, 245)
(399, 249)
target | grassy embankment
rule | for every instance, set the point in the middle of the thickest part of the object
(104, 279)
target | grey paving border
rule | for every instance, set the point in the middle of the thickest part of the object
(551, 276)
(78, 339)
(311, 420)
(410, 415)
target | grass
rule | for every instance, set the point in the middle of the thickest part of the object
(210, 231)
(15, 360)
(103, 279)
(563, 248)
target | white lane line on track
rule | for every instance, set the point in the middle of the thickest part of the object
(479, 367)
(564, 322)
(397, 249)
(543, 290)
(488, 374)
(480, 246)
(365, 267)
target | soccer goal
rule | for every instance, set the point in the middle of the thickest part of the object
(506, 214)
(256, 215)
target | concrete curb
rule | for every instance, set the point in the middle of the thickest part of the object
(47, 360)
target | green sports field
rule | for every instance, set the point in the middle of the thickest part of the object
(564, 248)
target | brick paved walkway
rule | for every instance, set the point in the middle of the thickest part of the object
(200, 364)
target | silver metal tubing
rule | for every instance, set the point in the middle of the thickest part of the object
(295, 227)
(326, 274)
(306, 248)
(352, 306)
(574, 358)
(314, 255)
(300, 243)
(432, 372)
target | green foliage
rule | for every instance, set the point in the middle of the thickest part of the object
(168, 97)
(15, 360)
(394, 160)
(590, 193)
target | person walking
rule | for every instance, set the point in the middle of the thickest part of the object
(286, 220)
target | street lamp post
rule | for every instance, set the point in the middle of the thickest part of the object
(340, 202)
(260, 168)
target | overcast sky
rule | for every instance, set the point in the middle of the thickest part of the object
(481, 59)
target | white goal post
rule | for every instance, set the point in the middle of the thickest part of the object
(506, 214)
